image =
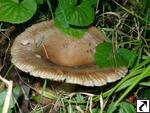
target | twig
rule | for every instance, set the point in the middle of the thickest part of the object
(4, 36)
(9, 94)
(45, 50)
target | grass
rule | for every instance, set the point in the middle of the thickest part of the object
(124, 28)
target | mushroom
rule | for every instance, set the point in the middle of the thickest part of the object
(44, 51)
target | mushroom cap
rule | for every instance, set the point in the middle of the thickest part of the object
(36, 51)
(65, 50)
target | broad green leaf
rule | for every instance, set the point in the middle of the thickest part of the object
(60, 18)
(16, 92)
(125, 107)
(39, 1)
(2, 97)
(74, 32)
(91, 2)
(122, 107)
(127, 55)
(106, 57)
(65, 3)
(81, 15)
(70, 18)
(3, 94)
(72, 14)
(1, 108)
(16, 1)
(13, 12)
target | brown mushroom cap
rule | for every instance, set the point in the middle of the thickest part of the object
(44, 51)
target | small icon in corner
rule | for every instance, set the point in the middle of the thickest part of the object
(143, 106)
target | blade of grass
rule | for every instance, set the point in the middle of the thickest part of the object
(8, 71)
(43, 89)
(9, 94)
(138, 79)
(135, 71)
(50, 8)
(132, 13)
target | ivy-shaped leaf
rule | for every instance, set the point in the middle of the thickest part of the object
(125, 107)
(127, 55)
(14, 11)
(60, 18)
(77, 15)
(65, 3)
(39, 1)
(106, 57)
(74, 32)
(81, 15)
(72, 18)
(93, 3)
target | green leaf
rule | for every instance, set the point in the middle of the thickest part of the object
(2, 97)
(16, 92)
(39, 1)
(74, 2)
(106, 57)
(1, 108)
(65, 3)
(144, 94)
(91, 2)
(68, 13)
(111, 108)
(125, 107)
(74, 32)
(126, 84)
(96, 110)
(127, 55)
(65, 28)
(14, 12)
(73, 19)
(16, 1)
(79, 98)
(81, 15)
(145, 83)
(60, 18)
(3, 94)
